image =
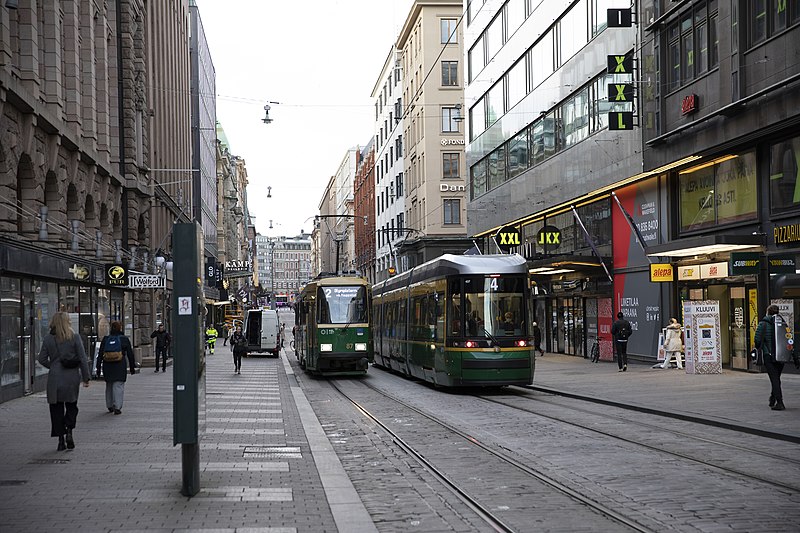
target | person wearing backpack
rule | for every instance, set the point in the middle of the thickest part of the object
(115, 349)
(63, 354)
(621, 331)
(765, 341)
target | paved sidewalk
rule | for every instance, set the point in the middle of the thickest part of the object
(265, 462)
(732, 398)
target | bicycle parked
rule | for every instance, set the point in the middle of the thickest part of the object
(595, 354)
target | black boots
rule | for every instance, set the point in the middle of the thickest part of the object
(61, 445)
(778, 406)
(70, 441)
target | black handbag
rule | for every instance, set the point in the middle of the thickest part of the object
(73, 362)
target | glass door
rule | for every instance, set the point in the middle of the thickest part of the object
(739, 324)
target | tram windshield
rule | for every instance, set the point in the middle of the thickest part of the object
(494, 305)
(341, 304)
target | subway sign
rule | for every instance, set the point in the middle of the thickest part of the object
(745, 263)
(507, 237)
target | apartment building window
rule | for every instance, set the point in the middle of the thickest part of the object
(692, 45)
(450, 119)
(400, 221)
(477, 179)
(494, 37)
(450, 164)
(494, 104)
(398, 146)
(449, 73)
(477, 119)
(400, 185)
(452, 211)
(573, 31)
(449, 27)
(476, 58)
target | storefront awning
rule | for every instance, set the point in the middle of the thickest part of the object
(563, 264)
(706, 245)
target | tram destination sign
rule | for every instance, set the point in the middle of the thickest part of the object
(147, 281)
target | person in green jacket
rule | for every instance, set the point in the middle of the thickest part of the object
(765, 341)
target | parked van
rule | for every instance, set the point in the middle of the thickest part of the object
(262, 331)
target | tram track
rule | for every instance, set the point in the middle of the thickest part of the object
(678, 455)
(481, 510)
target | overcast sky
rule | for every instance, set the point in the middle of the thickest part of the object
(320, 59)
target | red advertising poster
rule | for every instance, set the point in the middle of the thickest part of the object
(635, 295)
(605, 314)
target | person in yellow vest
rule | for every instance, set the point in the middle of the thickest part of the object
(211, 337)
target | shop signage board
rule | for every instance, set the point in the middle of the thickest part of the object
(661, 273)
(786, 234)
(507, 237)
(549, 236)
(147, 281)
(714, 270)
(688, 272)
(745, 263)
(702, 335)
(782, 264)
(116, 275)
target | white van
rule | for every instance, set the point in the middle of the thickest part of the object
(262, 331)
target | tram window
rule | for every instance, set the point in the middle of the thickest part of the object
(488, 300)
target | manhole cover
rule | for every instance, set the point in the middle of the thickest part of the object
(272, 452)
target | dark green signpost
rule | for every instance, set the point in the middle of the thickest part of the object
(188, 376)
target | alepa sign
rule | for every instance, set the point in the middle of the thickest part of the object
(662, 273)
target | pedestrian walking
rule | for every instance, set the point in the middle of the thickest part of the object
(163, 341)
(621, 331)
(239, 344)
(63, 354)
(211, 338)
(283, 333)
(115, 350)
(225, 333)
(537, 339)
(673, 343)
(765, 341)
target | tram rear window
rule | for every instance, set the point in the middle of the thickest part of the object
(341, 304)
(495, 305)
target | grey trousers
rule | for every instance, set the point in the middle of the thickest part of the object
(115, 394)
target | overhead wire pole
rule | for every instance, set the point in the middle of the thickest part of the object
(335, 239)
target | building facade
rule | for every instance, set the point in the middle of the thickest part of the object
(539, 144)
(364, 209)
(720, 115)
(389, 214)
(431, 46)
(204, 142)
(74, 192)
(283, 267)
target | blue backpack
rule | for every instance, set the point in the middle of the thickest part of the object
(112, 349)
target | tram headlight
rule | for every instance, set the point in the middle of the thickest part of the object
(361, 346)
(326, 347)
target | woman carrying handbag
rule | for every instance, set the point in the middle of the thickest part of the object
(63, 354)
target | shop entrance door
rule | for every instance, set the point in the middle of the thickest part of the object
(567, 320)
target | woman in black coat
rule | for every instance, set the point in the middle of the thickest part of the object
(115, 372)
(63, 384)
(239, 343)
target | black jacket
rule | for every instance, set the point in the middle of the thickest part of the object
(163, 338)
(117, 371)
(239, 342)
(620, 325)
(765, 336)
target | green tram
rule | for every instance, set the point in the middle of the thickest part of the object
(332, 319)
(457, 321)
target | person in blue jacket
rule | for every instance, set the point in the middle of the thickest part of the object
(115, 371)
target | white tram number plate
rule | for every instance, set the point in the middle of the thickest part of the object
(146, 281)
